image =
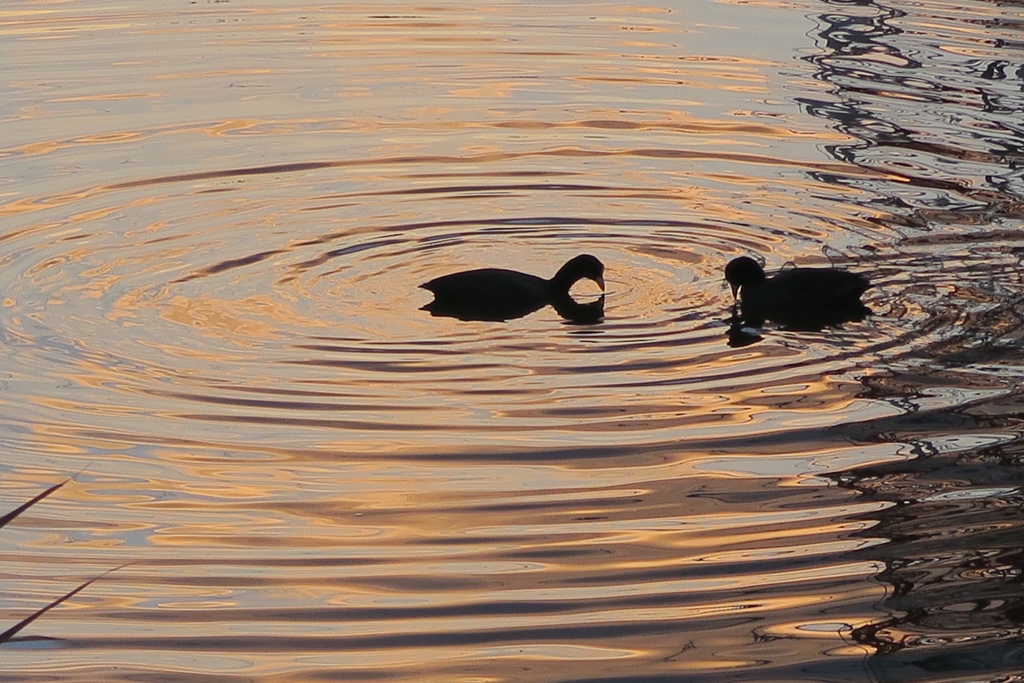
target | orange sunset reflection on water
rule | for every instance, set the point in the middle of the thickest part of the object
(214, 227)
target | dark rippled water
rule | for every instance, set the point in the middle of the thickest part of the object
(214, 218)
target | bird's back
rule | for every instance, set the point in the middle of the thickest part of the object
(489, 285)
(807, 298)
(816, 286)
(487, 294)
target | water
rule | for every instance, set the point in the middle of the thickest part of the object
(215, 217)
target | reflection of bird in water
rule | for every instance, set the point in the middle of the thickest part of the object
(739, 334)
(797, 298)
(499, 294)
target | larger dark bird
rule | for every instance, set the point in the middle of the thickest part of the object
(797, 298)
(498, 294)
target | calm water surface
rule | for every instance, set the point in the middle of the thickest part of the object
(214, 218)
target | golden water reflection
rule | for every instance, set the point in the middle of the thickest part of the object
(211, 322)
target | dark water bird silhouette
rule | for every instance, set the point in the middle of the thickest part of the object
(796, 298)
(497, 294)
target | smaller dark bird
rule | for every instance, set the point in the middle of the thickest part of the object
(797, 298)
(498, 294)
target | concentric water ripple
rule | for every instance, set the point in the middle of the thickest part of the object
(320, 326)
(214, 229)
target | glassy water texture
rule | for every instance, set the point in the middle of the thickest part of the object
(214, 218)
